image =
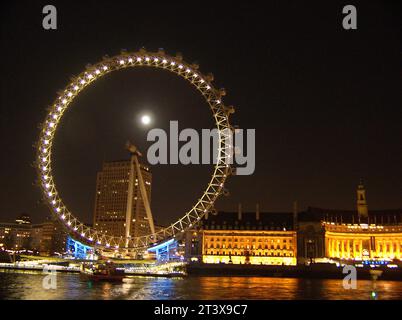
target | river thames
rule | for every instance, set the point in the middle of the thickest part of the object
(28, 285)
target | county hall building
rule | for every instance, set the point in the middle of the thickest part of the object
(247, 238)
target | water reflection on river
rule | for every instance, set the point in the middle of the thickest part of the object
(28, 285)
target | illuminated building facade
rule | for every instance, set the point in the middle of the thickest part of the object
(36, 237)
(363, 241)
(359, 234)
(310, 235)
(248, 238)
(193, 245)
(14, 236)
(45, 238)
(363, 234)
(53, 237)
(112, 198)
(17, 235)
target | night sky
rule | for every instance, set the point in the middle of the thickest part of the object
(325, 102)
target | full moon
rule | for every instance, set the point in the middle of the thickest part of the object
(146, 119)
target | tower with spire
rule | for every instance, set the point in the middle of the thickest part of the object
(362, 208)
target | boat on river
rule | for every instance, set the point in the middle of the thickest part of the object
(102, 271)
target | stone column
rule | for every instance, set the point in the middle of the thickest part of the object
(384, 249)
(327, 247)
(379, 250)
(342, 248)
(334, 245)
(337, 248)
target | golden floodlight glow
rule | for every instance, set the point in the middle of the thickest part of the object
(158, 60)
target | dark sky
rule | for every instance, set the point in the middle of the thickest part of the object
(325, 102)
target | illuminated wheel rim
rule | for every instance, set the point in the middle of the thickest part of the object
(215, 186)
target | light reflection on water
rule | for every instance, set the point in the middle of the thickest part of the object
(28, 285)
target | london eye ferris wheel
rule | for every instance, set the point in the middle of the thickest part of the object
(215, 187)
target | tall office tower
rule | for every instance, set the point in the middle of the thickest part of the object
(111, 203)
